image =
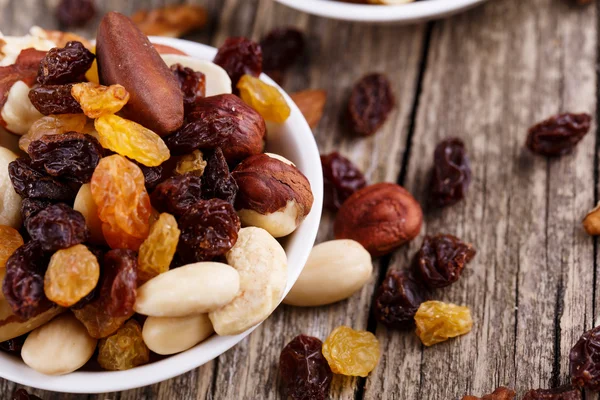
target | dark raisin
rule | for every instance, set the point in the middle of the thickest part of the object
(562, 393)
(29, 182)
(65, 65)
(223, 121)
(341, 178)
(559, 134)
(192, 84)
(13, 345)
(502, 393)
(177, 194)
(370, 104)
(217, 181)
(441, 260)
(23, 285)
(152, 175)
(54, 99)
(72, 155)
(451, 175)
(208, 230)
(30, 207)
(75, 12)
(585, 360)
(398, 299)
(21, 394)
(119, 282)
(57, 226)
(239, 56)
(304, 371)
(281, 48)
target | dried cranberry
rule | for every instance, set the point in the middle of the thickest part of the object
(341, 178)
(177, 194)
(217, 181)
(585, 360)
(559, 134)
(451, 173)
(239, 56)
(370, 104)
(398, 299)
(54, 99)
(192, 84)
(75, 12)
(65, 65)
(281, 48)
(57, 226)
(29, 182)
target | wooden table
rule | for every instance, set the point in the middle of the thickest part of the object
(484, 76)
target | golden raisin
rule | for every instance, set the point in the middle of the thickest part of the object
(72, 274)
(350, 352)
(10, 240)
(192, 163)
(97, 321)
(97, 100)
(437, 321)
(264, 98)
(53, 125)
(123, 350)
(132, 140)
(157, 251)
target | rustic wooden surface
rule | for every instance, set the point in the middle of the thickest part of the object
(484, 76)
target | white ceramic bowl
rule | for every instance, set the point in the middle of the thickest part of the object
(294, 140)
(404, 13)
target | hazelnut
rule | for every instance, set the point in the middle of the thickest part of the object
(273, 194)
(381, 217)
(591, 222)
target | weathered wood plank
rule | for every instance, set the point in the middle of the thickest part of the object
(492, 73)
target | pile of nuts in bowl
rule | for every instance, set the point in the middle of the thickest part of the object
(142, 213)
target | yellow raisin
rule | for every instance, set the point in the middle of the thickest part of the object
(132, 140)
(437, 321)
(72, 274)
(123, 350)
(10, 240)
(97, 100)
(53, 125)
(157, 251)
(97, 321)
(264, 98)
(191, 163)
(350, 352)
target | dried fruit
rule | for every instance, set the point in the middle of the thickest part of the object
(311, 104)
(72, 274)
(209, 229)
(177, 194)
(65, 65)
(75, 12)
(57, 226)
(10, 201)
(52, 125)
(303, 369)
(21, 394)
(54, 99)
(97, 100)
(72, 155)
(217, 182)
(591, 222)
(132, 140)
(441, 259)
(119, 287)
(398, 299)
(28, 182)
(223, 121)
(157, 251)
(350, 352)
(152, 175)
(13, 345)
(585, 360)
(30, 207)
(123, 350)
(370, 104)
(239, 56)
(174, 20)
(192, 84)
(23, 285)
(567, 392)
(281, 48)
(191, 163)
(264, 98)
(437, 322)
(10, 240)
(501, 393)
(558, 134)
(341, 178)
(117, 238)
(451, 175)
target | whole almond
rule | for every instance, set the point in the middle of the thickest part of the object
(311, 104)
(126, 56)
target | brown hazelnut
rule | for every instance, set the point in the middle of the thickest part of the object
(381, 217)
(591, 222)
(273, 194)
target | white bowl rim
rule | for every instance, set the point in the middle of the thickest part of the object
(297, 248)
(402, 13)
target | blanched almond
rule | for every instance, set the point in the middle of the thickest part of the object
(170, 335)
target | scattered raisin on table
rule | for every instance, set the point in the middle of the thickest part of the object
(57, 226)
(72, 155)
(558, 134)
(441, 260)
(123, 350)
(29, 182)
(98, 100)
(281, 48)
(30, 207)
(585, 360)
(10, 240)
(350, 352)
(54, 99)
(567, 392)
(192, 84)
(266, 99)
(451, 175)
(341, 178)
(192, 163)
(304, 371)
(157, 251)
(177, 194)
(209, 229)
(239, 56)
(370, 104)
(75, 12)
(65, 65)
(21, 394)
(437, 322)
(217, 181)
(398, 299)
(23, 285)
(14, 345)
(501, 393)
(52, 125)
